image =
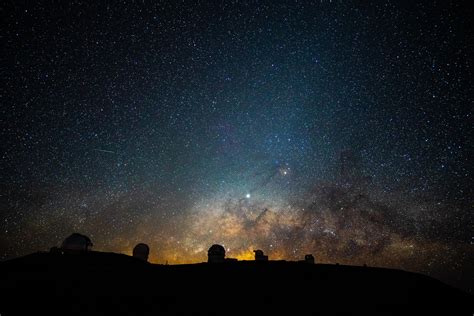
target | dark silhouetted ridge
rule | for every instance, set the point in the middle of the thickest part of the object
(96, 283)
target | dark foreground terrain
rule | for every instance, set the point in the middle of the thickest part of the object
(104, 283)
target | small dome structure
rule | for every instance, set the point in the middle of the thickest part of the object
(216, 254)
(141, 251)
(259, 256)
(309, 259)
(76, 243)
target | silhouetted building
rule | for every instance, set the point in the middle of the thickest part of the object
(231, 259)
(76, 243)
(141, 251)
(309, 259)
(259, 256)
(55, 250)
(216, 254)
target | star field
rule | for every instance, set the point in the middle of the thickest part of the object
(329, 127)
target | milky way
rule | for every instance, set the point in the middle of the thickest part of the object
(333, 128)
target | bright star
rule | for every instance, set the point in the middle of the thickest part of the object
(247, 196)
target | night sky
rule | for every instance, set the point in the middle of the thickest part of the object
(338, 128)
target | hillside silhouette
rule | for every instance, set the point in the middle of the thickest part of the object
(97, 283)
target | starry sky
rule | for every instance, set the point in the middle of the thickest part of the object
(337, 128)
